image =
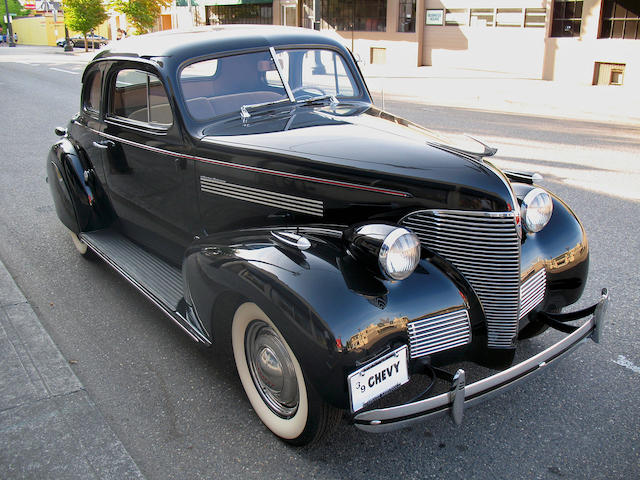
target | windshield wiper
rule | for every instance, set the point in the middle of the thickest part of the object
(319, 99)
(244, 109)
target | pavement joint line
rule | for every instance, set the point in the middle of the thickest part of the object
(52, 396)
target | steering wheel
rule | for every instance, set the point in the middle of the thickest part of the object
(308, 92)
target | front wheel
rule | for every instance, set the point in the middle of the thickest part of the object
(274, 382)
(82, 248)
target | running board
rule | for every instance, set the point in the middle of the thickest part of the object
(156, 279)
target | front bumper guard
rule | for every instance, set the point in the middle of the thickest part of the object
(461, 395)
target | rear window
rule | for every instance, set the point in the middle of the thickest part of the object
(141, 97)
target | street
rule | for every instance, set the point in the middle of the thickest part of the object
(180, 410)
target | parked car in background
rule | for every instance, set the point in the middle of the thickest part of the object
(95, 41)
(242, 179)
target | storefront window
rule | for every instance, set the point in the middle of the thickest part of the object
(251, 13)
(358, 15)
(567, 18)
(456, 16)
(535, 17)
(619, 21)
(482, 17)
(407, 16)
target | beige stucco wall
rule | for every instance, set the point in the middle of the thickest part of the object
(509, 49)
(573, 59)
(43, 30)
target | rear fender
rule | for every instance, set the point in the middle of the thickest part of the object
(319, 298)
(79, 199)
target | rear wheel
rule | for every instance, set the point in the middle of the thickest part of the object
(274, 382)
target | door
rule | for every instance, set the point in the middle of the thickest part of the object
(145, 163)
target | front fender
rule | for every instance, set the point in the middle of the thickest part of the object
(562, 247)
(319, 298)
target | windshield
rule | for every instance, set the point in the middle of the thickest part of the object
(219, 86)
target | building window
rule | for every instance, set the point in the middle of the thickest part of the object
(567, 18)
(509, 17)
(619, 21)
(482, 17)
(358, 15)
(456, 16)
(608, 73)
(535, 17)
(251, 13)
(407, 16)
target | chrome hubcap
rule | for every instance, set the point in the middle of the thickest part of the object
(272, 369)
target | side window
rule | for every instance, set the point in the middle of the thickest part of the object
(91, 100)
(140, 96)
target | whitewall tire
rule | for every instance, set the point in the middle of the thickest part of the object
(82, 248)
(273, 380)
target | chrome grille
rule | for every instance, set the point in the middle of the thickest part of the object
(485, 248)
(442, 332)
(532, 292)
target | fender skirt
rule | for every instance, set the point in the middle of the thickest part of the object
(319, 298)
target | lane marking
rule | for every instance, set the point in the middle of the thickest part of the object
(626, 363)
(24, 62)
(63, 70)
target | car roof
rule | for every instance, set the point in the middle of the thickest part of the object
(200, 41)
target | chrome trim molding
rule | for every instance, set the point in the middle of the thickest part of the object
(532, 292)
(392, 418)
(439, 333)
(261, 197)
(485, 248)
(221, 163)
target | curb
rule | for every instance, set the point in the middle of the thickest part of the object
(49, 425)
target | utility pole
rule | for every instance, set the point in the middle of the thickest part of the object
(9, 24)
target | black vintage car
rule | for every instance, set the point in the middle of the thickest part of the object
(242, 180)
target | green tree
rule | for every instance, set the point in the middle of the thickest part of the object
(141, 13)
(84, 15)
(14, 7)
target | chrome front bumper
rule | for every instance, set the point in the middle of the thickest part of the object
(461, 395)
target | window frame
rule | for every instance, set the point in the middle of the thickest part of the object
(148, 126)
(611, 20)
(402, 19)
(565, 20)
(86, 93)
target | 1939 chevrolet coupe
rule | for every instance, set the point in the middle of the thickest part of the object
(242, 180)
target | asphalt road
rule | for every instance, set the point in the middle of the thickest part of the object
(180, 411)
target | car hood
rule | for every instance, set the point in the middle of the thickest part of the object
(366, 139)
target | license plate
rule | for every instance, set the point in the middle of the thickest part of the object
(379, 377)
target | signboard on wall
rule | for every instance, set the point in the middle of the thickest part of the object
(435, 17)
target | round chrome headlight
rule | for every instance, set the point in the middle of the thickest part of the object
(536, 210)
(399, 254)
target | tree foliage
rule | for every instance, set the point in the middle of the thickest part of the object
(84, 15)
(14, 7)
(142, 14)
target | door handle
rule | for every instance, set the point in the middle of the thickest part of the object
(104, 144)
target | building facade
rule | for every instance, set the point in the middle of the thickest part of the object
(585, 41)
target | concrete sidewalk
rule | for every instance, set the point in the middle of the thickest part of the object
(49, 427)
(505, 92)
